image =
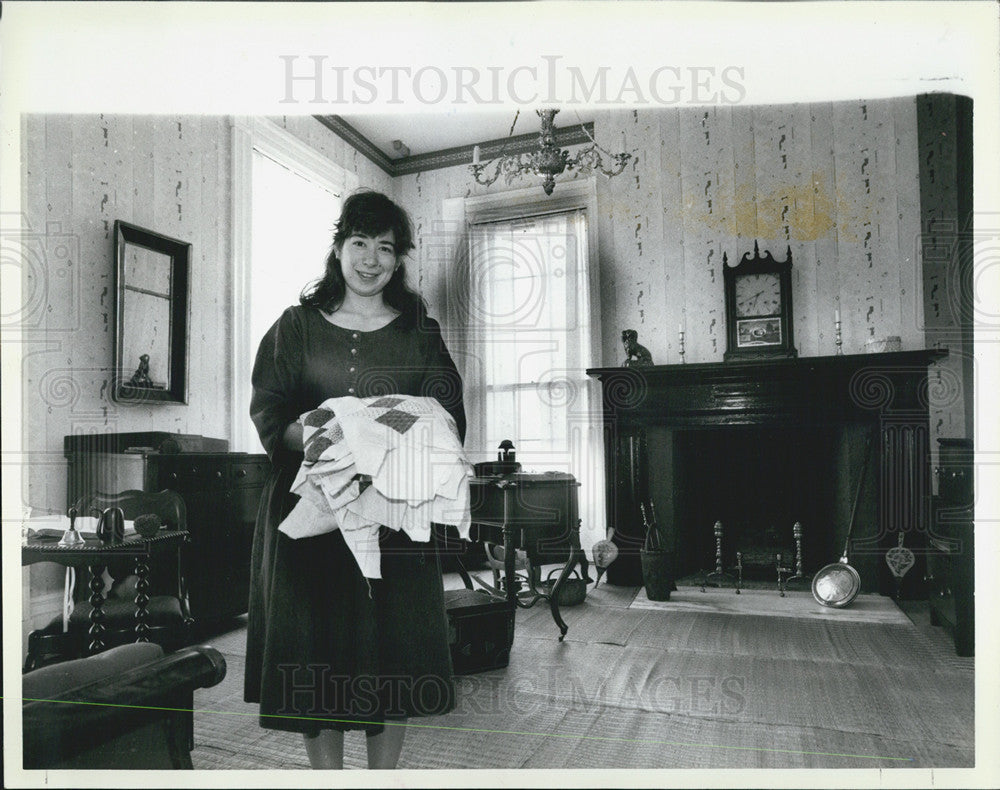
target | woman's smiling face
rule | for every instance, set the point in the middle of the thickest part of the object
(368, 263)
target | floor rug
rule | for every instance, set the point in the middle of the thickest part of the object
(656, 686)
(867, 608)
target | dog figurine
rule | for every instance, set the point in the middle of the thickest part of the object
(141, 376)
(636, 355)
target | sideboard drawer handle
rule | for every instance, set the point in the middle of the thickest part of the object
(241, 472)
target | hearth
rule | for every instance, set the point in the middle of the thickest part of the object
(761, 445)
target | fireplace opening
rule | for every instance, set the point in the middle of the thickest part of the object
(758, 482)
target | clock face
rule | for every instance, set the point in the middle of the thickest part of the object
(757, 295)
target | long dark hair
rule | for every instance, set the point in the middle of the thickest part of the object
(368, 213)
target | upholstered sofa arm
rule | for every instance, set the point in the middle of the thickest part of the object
(62, 718)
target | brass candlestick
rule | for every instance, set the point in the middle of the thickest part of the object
(71, 537)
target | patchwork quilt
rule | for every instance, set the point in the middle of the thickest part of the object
(392, 460)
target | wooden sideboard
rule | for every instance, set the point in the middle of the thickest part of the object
(220, 489)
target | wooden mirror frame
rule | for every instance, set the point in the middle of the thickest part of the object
(179, 252)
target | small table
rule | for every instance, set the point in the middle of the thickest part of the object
(530, 512)
(96, 555)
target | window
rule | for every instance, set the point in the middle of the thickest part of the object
(532, 313)
(532, 330)
(292, 224)
(286, 199)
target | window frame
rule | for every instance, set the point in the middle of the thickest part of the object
(252, 133)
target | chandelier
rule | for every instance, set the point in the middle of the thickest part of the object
(549, 160)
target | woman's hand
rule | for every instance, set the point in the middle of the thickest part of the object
(293, 436)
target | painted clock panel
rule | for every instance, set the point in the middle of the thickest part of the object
(758, 332)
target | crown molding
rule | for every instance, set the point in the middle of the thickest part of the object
(449, 157)
(353, 137)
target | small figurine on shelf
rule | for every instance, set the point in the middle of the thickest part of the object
(636, 355)
(141, 376)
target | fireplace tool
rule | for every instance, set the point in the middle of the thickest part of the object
(605, 552)
(838, 583)
(899, 558)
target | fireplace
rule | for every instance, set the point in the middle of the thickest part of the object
(761, 445)
(757, 481)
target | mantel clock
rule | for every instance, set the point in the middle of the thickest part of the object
(758, 306)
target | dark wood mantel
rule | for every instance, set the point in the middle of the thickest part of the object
(809, 390)
(826, 406)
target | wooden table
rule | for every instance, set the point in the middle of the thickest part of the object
(96, 555)
(535, 513)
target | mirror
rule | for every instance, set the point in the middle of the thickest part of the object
(151, 308)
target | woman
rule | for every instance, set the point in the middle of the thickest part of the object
(327, 649)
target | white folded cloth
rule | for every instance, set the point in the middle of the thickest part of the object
(392, 460)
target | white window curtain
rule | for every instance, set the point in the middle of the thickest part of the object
(532, 329)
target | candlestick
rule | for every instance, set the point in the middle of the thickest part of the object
(680, 336)
(837, 337)
(475, 154)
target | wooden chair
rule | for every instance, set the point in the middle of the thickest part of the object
(170, 622)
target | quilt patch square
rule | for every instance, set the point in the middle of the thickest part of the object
(317, 418)
(386, 402)
(399, 421)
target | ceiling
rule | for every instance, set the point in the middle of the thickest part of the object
(425, 133)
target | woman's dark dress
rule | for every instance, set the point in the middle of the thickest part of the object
(327, 648)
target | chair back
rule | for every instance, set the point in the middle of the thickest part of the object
(167, 504)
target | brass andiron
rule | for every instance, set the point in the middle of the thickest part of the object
(783, 581)
(718, 573)
(781, 570)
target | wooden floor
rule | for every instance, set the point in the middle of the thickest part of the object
(663, 689)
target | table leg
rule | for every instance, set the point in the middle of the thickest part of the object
(575, 555)
(96, 630)
(141, 599)
(509, 568)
